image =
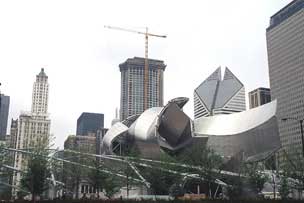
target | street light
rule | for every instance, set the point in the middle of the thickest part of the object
(301, 127)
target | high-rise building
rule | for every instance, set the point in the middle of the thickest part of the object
(259, 97)
(40, 94)
(4, 109)
(285, 46)
(216, 96)
(33, 127)
(132, 85)
(89, 123)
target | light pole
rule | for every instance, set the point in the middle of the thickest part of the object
(301, 128)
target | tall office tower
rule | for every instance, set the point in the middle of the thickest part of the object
(89, 123)
(259, 97)
(4, 109)
(40, 94)
(285, 46)
(132, 85)
(33, 127)
(216, 96)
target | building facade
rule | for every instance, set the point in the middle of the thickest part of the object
(89, 123)
(216, 96)
(285, 47)
(40, 94)
(132, 86)
(13, 133)
(4, 109)
(259, 97)
(32, 128)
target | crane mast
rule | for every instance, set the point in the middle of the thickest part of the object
(146, 72)
(146, 66)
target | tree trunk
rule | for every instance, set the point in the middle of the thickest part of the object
(209, 187)
(127, 187)
(33, 198)
(77, 188)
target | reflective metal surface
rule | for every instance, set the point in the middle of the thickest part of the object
(253, 133)
(118, 129)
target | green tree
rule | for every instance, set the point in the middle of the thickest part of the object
(205, 163)
(176, 190)
(127, 168)
(5, 173)
(256, 177)
(284, 188)
(38, 163)
(74, 172)
(34, 180)
(97, 178)
(111, 186)
(236, 184)
(293, 169)
(104, 182)
(160, 177)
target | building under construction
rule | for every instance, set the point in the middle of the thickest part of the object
(132, 97)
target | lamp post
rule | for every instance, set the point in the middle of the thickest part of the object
(301, 128)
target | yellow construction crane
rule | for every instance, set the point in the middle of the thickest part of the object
(146, 70)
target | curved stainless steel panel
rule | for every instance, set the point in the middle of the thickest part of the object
(254, 133)
(113, 133)
(179, 101)
(235, 123)
(144, 127)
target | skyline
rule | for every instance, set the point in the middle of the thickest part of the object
(81, 57)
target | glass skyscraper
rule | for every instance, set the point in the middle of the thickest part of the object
(4, 109)
(285, 46)
(89, 123)
(216, 96)
(132, 85)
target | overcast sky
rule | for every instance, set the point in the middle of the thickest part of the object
(81, 57)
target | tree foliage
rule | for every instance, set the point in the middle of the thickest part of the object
(256, 177)
(34, 180)
(294, 168)
(6, 158)
(111, 186)
(284, 188)
(96, 176)
(205, 162)
(160, 177)
(74, 172)
(38, 163)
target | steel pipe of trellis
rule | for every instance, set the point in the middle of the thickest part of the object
(75, 163)
(122, 158)
(125, 159)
